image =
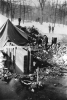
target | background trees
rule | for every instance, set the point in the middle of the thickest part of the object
(45, 10)
(42, 5)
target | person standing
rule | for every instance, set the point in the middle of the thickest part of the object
(52, 29)
(49, 28)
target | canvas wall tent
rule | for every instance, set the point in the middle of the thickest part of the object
(9, 32)
(19, 59)
(15, 58)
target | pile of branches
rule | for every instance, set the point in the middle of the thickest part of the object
(31, 32)
(54, 55)
(51, 53)
(60, 55)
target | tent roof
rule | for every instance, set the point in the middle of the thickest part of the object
(9, 32)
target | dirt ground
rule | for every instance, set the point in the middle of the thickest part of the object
(55, 88)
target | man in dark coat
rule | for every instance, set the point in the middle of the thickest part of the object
(49, 28)
(52, 29)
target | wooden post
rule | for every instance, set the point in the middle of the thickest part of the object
(7, 57)
(8, 51)
(29, 58)
(12, 54)
(14, 58)
(37, 75)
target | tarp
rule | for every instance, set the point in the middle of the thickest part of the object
(9, 32)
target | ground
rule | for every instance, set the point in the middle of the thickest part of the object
(12, 91)
(55, 88)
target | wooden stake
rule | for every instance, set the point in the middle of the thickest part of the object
(37, 75)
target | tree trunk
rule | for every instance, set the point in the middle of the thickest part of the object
(41, 15)
(23, 13)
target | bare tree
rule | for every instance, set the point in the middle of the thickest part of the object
(23, 10)
(12, 9)
(27, 9)
(2, 6)
(22, 7)
(42, 5)
(64, 10)
(55, 12)
(7, 8)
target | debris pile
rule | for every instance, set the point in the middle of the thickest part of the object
(60, 56)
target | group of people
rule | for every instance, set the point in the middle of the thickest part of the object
(51, 29)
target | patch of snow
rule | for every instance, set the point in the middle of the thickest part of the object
(3, 19)
(43, 28)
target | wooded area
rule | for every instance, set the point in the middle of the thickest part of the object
(45, 11)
